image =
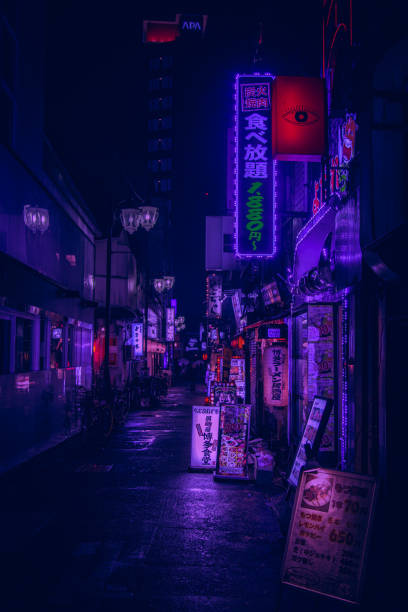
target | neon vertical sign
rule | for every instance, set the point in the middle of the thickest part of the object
(255, 170)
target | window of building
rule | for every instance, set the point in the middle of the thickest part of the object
(24, 344)
(166, 144)
(5, 330)
(228, 243)
(154, 64)
(153, 144)
(57, 345)
(153, 165)
(166, 164)
(153, 125)
(154, 104)
(166, 123)
(167, 62)
(167, 102)
(154, 84)
(166, 82)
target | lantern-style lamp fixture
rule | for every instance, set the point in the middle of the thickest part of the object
(36, 219)
(168, 282)
(158, 284)
(148, 216)
(130, 219)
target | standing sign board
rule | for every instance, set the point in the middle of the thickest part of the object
(327, 541)
(312, 435)
(204, 437)
(233, 441)
(255, 185)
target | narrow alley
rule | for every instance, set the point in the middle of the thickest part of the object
(128, 523)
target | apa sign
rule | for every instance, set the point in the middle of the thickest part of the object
(191, 25)
(254, 168)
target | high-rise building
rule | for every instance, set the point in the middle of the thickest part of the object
(170, 48)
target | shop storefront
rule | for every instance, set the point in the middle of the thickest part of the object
(326, 283)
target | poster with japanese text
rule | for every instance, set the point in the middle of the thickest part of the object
(275, 379)
(320, 364)
(233, 441)
(214, 296)
(255, 174)
(237, 375)
(327, 541)
(313, 433)
(222, 393)
(204, 437)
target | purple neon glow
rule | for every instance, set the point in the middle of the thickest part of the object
(344, 390)
(236, 191)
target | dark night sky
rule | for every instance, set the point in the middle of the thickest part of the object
(95, 101)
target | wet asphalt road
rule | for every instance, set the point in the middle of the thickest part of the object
(127, 527)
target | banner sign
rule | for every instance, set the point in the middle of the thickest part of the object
(214, 296)
(204, 437)
(255, 197)
(312, 435)
(275, 364)
(326, 546)
(222, 393)
(237, 375)
(299, 118)
(170, 324)
(233, 441)
(135, 339)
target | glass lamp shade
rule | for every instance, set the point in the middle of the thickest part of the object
(130, 219)
(158, 284)
(36, 219)
(148, 216)
(168, 282)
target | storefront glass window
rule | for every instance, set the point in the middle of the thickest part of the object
(4, 346)
(43, 343)
(24, 339)
(70, 347)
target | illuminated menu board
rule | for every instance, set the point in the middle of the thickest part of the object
(233, 441)
(327, 541)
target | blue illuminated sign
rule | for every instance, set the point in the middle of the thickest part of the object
(255, 170)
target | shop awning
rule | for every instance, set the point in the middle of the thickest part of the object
(311, 239)
(119, 313)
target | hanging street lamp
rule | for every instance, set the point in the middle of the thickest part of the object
(130, 219)
(36, 219)
(158, 284)
(148, 216)
(168, 282)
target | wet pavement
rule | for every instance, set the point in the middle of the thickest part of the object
(127, 527)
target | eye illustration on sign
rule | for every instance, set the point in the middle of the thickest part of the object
(300, 116)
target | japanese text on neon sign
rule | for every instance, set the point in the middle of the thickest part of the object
(254, 180)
